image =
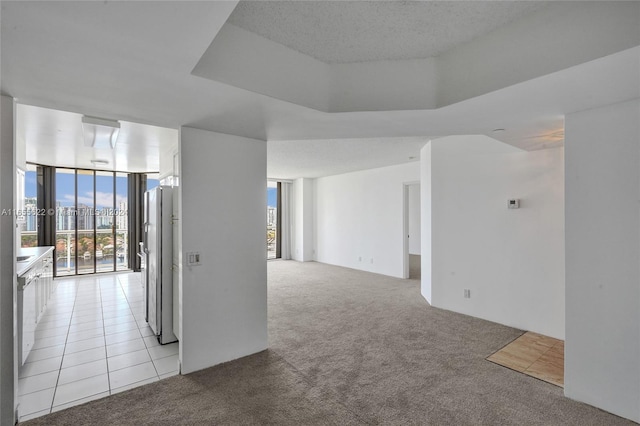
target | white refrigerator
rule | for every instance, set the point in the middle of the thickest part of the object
(158, 230)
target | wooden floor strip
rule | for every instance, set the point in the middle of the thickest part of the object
(535, 355)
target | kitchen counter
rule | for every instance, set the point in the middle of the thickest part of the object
(36, 253)
(35, 286)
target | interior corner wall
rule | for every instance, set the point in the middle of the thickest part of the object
(360, 218)
(414, 218)
(303, 220)
(224, 299)
(602, 349)
(512, 260)
(8, 343)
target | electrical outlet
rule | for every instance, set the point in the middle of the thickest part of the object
(193, 258)
(467, 293)
(359, 258)
(372, 260)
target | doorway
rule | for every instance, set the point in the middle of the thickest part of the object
(412, 231)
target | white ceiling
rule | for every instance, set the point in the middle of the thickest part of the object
(132, 61)
(55, 138)
(360, 31)
(316, 158)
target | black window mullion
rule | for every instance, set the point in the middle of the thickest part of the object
(278, 221)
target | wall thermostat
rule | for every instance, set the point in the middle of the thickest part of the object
(514, 203)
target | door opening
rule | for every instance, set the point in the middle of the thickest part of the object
(412, 238)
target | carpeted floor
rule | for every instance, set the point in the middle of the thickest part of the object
(349, 347)
(415, 267)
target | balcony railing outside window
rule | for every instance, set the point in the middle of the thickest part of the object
(105, 251)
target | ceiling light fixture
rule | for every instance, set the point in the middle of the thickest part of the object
(100, 132)
(99, 162)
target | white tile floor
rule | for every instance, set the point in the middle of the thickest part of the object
(91, 342)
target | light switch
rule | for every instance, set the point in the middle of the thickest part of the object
(193, 258)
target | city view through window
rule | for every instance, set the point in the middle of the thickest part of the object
(29, 225)
(272, 219)
(91, 220)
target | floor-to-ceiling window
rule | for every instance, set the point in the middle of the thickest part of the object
(272, 220)
(85, 230)
(65, 183)
(91, 221)
(29, 219)
(121, 222)
(106, 218)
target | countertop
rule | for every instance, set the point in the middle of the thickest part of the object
(36, 254)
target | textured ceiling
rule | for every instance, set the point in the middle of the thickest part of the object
(132, 61)
(359, 31)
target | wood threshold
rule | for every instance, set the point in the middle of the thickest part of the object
(535, 355)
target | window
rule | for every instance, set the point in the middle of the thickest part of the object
(153, 180)
(91, 221)
(273, 250)
(29, 222)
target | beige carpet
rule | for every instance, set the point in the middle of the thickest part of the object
(414, 266)
(349, 347)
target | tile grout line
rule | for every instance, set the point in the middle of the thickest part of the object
(104, 338)
(99, 291)
(58, 384)
(55, 390)
(137, 328)
(75, 294)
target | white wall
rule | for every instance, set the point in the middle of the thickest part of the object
(414, 218)
(167, 162)
(360, 218)
(602, 350)
(8, 344)
(223, 217)
(511, 260)
(425, 222)
(303, 220)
